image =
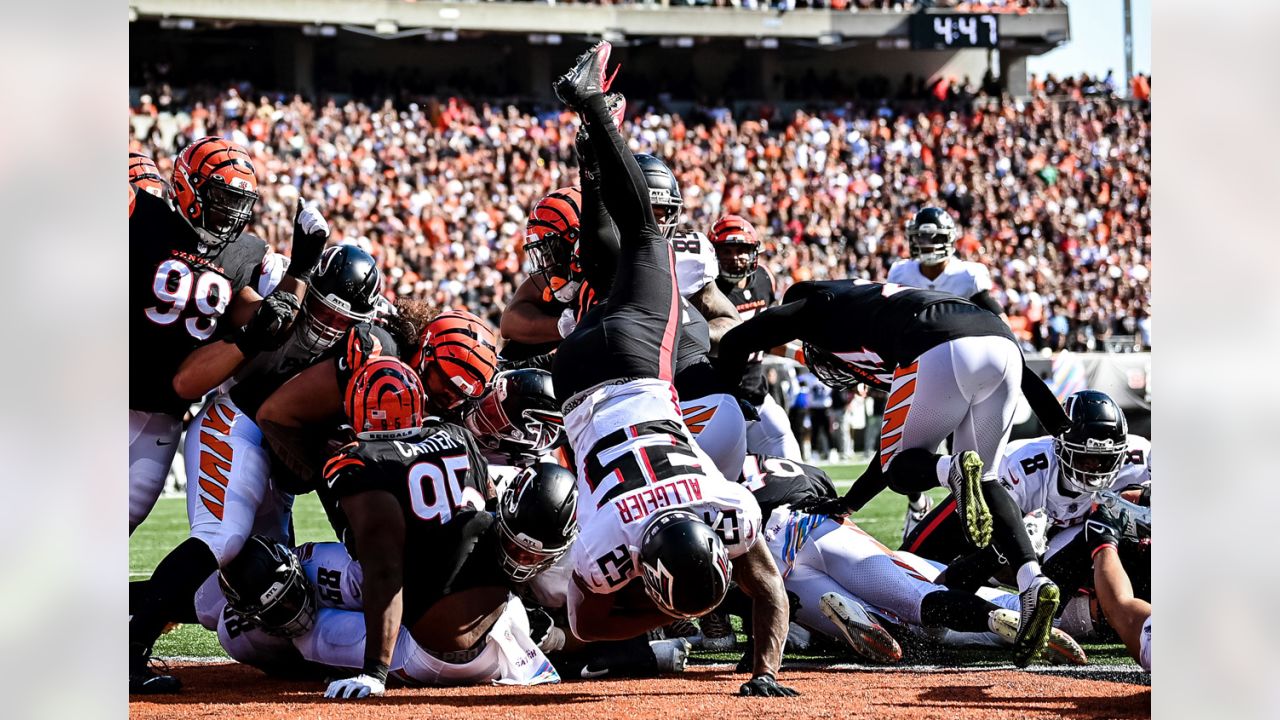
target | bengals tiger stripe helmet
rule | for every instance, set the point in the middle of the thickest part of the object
(737, 247)
(384, 400)
(145, 176)
(550, 241)
(214, 188)
(456, 358)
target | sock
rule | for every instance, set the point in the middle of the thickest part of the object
(954, 610)
(1008, 533)
(913, 470)
(1028, 572)
(169, 596)
(943, 469)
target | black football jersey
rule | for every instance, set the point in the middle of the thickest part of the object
(776, 481)
(755, 296)
(694, 374)
(436, 477)
(267, 371)
(874, 327)
(177, 297)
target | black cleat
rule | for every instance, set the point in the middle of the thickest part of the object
(145, 680)
(586, 78)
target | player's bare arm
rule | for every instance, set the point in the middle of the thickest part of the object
(596, 616)
(758, 577)
(378, 527)
(720, 314)
(527, 319)
(309, 399)
(209, 366)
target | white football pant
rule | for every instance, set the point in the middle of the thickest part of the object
(153, 441)
(771, 435)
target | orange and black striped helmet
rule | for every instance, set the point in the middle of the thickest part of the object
(456, 358)
(215, 189)
(551, 238)
(145, 176)
(384, 400)
(737, 246)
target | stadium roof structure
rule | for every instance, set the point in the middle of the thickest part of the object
(1031, 32)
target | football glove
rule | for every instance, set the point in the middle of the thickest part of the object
(269, 326)
(357, 687)
(765, 686)
(750, 412)
(567, 322)
(833, 507)
(1102, 528)
(310, 234)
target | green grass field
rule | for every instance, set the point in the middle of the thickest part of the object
(167, 526)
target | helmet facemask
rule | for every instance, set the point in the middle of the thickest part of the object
(666, 211)
(1091, 466)
(522, 556)
(737, 260)
(225, 210)
(931, 245)
(534, 432)
(551, 259)
(287, 607)
(325, 319)
(828, 368)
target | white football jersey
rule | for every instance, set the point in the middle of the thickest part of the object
(696, 263)
(607, 552)
(336, 577)
(959, 277)
(1029, 469)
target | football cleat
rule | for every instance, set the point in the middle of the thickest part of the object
(146, 680)
(683, 629)
(965, 479)
(866, 636)
(1038, 603)
(717, 633)
(586, 78)
(1063, 649)
(672, 655)
(798, 639)
(617, 107)
(916, 513)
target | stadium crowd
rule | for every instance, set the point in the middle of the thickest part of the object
(1052, 192)
(852, 5)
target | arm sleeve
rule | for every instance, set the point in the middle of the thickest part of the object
(1043, 402)
(983, 299)
(540, 362)
(768, 329)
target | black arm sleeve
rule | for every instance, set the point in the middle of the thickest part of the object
(538, 362)
(768, 329)
(1043, 402)
(983, 299)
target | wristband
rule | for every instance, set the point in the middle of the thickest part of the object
(374, 668)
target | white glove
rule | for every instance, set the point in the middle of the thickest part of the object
(356, 687)
(553, 642)
(312, 222)
(567, 322)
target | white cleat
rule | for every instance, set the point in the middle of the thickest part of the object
(672, 655)
(867, 637)
(916, 513)
(1062, 649)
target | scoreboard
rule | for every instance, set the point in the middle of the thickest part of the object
(954, 31)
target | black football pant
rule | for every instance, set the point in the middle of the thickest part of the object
(633, 333)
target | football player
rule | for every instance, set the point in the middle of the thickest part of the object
(931, 235)
(194, 274)
(230, 493)
(652, 506)
(948, 366)
(1129, 615)
(749, 286)
(833, 568)
(411, 493)
(1063, 477)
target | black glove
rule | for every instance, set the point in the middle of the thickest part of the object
(268, 327)
(834, 507)
(310, 233)
(1102, 528)
(749, 412)
(765, 686)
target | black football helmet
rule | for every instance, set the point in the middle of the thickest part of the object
(1092, 448)
(345, 289)
(265, 584)
(518, 414)
(664, 193)
(932, 236)
(537, 519)
(685, 565)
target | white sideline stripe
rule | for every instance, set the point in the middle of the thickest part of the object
(1101, 669)
(809, 665)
